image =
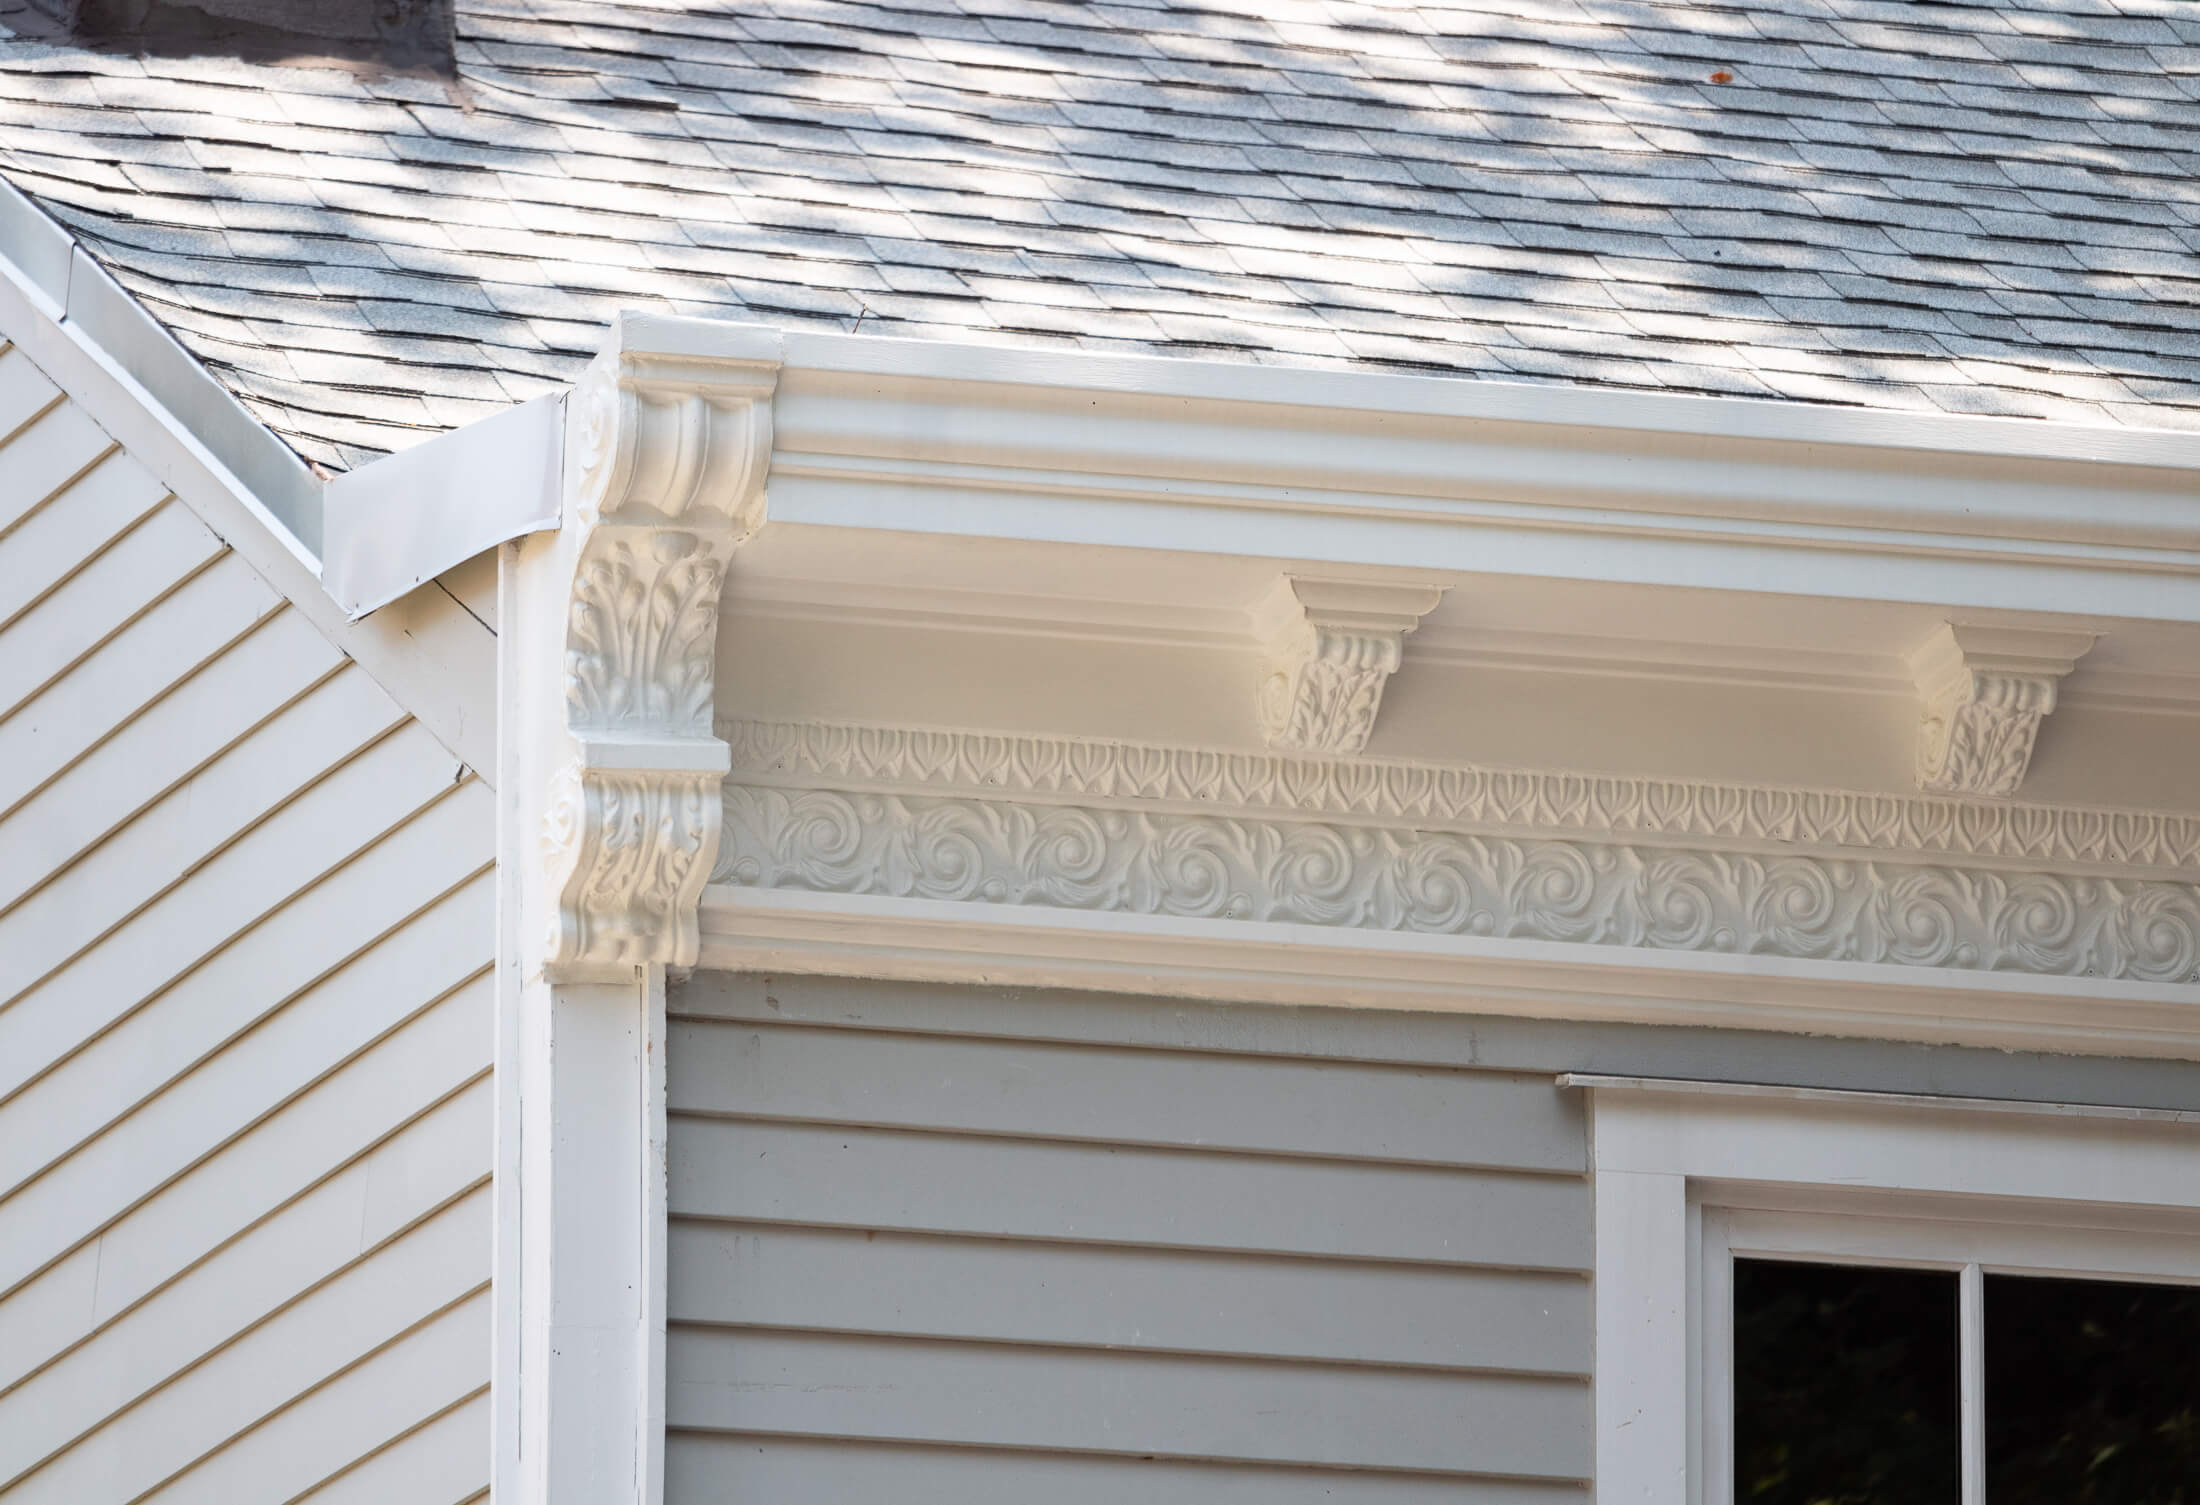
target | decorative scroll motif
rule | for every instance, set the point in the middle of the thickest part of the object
(1310, 873)
(1455, 797)
(638, 849)
(666, 458)
(1986, 690)
(1332, 645)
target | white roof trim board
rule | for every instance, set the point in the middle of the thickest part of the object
(1959, 208)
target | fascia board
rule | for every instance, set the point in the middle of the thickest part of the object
(1425, 473)
(1380, 393)
(1249, 961)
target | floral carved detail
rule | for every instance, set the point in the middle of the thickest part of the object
(1986, 690)
(1332, 645)
(1981, 743)
(1595, 893)
(1325, 699)
(1453, 796)
(666, 456)
(634, 850)
(643, 630)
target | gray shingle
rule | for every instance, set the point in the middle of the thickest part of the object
(1990, 208)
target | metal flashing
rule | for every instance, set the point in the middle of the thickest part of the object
(408, 517)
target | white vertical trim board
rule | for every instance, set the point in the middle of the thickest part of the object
(1687, 1175)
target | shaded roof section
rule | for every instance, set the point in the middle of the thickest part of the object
(1938, 206)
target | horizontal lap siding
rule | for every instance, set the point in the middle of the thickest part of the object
(929, 1265)
(246, 922)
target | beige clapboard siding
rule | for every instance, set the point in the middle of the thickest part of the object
(439, 1463)
(963, 1266)
(162, 749)
(57, 548)
(246, 926)
(53, 636)
(142, 659)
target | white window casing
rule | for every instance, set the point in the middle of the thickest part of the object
(1690, 1174)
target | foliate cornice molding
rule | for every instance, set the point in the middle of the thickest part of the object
(1006, 852)
(1986, 689)
(1460, 798)
(665, 463)
(1331, 645)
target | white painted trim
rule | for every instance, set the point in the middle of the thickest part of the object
(1844, 1097)
(428, 652)
(1413, 473)
(745, 929)
(70, 286)
(1451, 397)
(610, 822)
(391, 527)
(1952, 1183)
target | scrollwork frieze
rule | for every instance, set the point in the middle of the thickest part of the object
(999, 851)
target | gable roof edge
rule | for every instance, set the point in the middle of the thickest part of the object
(108, 353)
(75, 290)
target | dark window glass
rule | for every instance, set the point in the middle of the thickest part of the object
(2091, 1390)
(1845, 1386)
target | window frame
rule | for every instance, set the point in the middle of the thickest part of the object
(1682, 1170)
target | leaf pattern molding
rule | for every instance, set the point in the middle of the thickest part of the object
(1459, 797)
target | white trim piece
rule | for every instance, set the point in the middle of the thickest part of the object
(1359, 469)
(432, 656)
(1642, 1335)
(608, 829)
(1447, 397)
(1971, 1379)
(396, 524)
(747, 929)
(1848, 1097)
(1679, 1168)
(2077, 1239)
(73, 289)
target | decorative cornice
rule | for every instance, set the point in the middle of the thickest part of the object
(1331, 645)
(1986, 690)
(1462, 798)
(665, 464)
(1004, 852)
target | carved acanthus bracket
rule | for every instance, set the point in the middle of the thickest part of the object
(1331, 647)
(665, 463)
(1985, 691)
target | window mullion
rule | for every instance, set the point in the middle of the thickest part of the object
(1971, 1369)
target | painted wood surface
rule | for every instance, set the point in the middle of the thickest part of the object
(246, 927)
(940, 1264)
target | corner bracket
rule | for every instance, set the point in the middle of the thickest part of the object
(666, 456)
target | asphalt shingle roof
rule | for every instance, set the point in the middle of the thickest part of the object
(1969, 206)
